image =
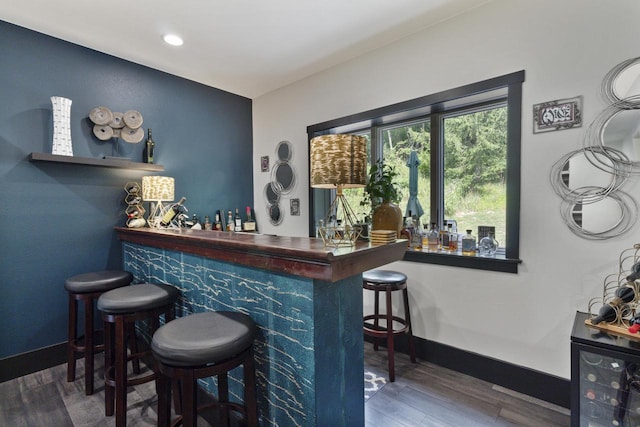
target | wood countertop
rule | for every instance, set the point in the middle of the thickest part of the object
(300, 256)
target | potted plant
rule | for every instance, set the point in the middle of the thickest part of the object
(382, 194)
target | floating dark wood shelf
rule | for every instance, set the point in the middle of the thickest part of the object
(89, 161)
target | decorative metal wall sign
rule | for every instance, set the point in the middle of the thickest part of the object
(557, 115)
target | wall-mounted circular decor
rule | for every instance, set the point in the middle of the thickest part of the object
(275, 213)
(283, 174)
(283, 150)
(283, 180)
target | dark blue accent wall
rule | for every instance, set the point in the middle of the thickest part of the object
(56, 220)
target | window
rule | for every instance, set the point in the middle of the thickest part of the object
(467, 141)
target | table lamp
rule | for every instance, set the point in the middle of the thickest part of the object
(337, 162)
(157, 189)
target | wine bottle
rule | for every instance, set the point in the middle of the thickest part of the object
(606, 314)
(237, 221)
(623, 294)
(149, 147)
(173, 211)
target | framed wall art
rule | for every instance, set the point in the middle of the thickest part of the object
(557, 115)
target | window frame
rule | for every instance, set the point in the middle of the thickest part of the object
(507, 88)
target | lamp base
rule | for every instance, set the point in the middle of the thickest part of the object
(341, 233)
(155, 215)
(339, 236)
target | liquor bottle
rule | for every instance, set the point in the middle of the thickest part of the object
(173, 211)
(453, 239)
(443, 237)
(149, 148)
(488, 246)
(410, 228)
(416, 237)
(229, 221)
(432, 238)
(207, 223)
(237, 221)
(249, 224)
(468, 244)
(217, 225)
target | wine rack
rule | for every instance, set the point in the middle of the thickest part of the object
(605, 378)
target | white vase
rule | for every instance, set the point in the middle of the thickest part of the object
(61, 126)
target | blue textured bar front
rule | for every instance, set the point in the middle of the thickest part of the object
(309, 352)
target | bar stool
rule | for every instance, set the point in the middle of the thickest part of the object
(388, 281)
(204, 345)
(121, 308)
(87, 288)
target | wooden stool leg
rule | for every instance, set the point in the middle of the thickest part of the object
(177, 396)
(164, 400)
(88, 345)
(390, 345)
(223, 398)
(72, 335)
(189, 399)
(376, 312)
(250, 398)
(133, 345)
(121, 372)
(108, 365)
(407, 317)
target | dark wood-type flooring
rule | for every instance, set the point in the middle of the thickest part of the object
(422, 395)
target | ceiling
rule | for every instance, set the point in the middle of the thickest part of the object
(247, 47)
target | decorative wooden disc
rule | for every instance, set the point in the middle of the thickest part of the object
(133, 119)
(102, 132)
(132, 136)
(101, 116)
(117, 122)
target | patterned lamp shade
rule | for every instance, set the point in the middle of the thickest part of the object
(157, 189)
(338, 160)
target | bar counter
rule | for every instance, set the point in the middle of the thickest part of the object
(306, 300)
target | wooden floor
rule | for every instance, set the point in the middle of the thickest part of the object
(422, 395)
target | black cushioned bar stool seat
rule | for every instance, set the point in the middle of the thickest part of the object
(121, 308)
(388, 281)
(88, 287)
(204, 345)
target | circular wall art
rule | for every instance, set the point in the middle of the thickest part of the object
(283, 180)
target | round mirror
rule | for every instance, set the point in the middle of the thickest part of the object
(623, 81)
(622, 132)
(275, 214)
(283, 174)
(271, 195)
(606, 218)
(284, 151)
(584, 176)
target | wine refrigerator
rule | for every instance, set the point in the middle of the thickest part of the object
(605, 378)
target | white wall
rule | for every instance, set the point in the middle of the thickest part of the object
(566, 48)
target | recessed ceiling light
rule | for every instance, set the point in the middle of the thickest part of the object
(172, 39)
